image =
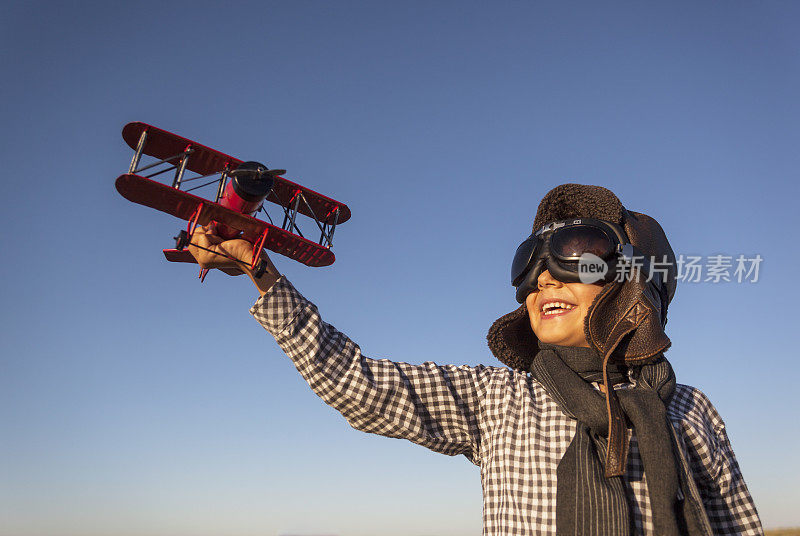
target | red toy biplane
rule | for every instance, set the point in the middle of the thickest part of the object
(242, 188)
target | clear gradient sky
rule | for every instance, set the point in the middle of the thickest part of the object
(136, 401)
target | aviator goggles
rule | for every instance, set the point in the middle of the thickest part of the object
(559, 247)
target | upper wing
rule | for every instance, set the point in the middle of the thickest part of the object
(184, 205)
(204, 160)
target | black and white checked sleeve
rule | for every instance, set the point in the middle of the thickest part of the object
(435, 406)
(727, 501)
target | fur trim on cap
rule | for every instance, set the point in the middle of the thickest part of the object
(512, 340)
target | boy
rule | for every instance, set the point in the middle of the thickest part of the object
(587, 431)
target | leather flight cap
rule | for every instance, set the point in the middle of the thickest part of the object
(625, 322)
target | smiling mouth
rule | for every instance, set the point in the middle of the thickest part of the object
(553, 309)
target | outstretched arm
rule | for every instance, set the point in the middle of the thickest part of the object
(435, 406)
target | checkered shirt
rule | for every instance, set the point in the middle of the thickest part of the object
(503, 421)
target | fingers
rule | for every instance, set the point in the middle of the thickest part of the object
(203, 245)
(213, 251)
(205, 237)
(211, 235)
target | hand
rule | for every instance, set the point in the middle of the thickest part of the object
(213, 247)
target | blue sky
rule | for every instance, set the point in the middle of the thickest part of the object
(136, 401)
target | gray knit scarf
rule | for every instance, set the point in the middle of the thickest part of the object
(587, 502)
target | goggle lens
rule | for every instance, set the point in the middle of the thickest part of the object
(569, 243)
(565, 244)
(522, 259)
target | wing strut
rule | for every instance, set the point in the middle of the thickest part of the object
(176, 182)
(138, 154)
(222, 181)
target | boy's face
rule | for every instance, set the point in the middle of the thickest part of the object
(557, 310)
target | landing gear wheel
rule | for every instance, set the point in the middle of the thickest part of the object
(181, 241)
(261, 269)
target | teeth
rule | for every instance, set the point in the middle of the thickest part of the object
(551, 308)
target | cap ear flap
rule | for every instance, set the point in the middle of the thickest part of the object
(647, 235)
(634, 305)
